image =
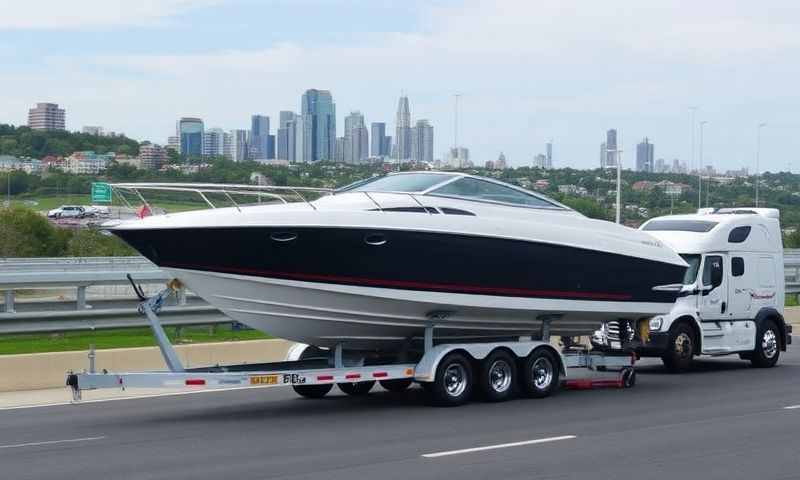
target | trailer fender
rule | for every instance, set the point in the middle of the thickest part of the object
(425, 370)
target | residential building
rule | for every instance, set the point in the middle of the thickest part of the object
(284, 138)
(213, 142)
(356, 139)
(422, 142)
(609, 153)
(319, 125)
(238, 149)
(87, 162)
(47, 116)
(661, 166)
(152, 156)
(540, 161)
(174, 143)
(190, 130)
(339, 151)
(459, 158)
(403, 130)
(90, 130)
(644, 156)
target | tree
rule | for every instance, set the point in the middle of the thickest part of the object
(25, 233)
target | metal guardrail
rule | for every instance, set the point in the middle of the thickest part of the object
(791, 269)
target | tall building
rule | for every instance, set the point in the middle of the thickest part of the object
(356, 139)
(339, 151)
(644, 156)
(174, 143)
(422, 142)
(302, 139)
(238, 145)
(540, 161)
(381, 144)
(190, 130)
(213, 142)
(501, 163)
(603, 155)
(91, 130)
(282, 141)
(319, 125)
(227, 146)
(259, 137)
(459, 158)
(47, 116)
(610, 154)
(403, 130)
(549, 154)
(151, 156)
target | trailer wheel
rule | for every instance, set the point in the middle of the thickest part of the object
(357, 388)
(539, 374)
(680, 349)
(498, 373)
(312, 391)
(453, 383)
(768, 346)
(628, 377)
(397, 385)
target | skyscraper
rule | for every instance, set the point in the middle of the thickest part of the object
(611, 148)
(259, 137)
(213, 142)
(319, 125)
(283, 137)
(356, 139)
(302, 138)
(190, 130)
(47, 116)
(239, 148)
(403, 130)
(380, 145)
(549, 154)
(422, 142)
(644, 156)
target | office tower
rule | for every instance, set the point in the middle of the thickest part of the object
(190, 131)
(339, 153)
(356, 139)
(302, 139)
(239, 146)
(387, 146)
(603, 155)
(283, 137)
(319, 125)
(213, 142)
(549, 154)
(47, 116)
(227, 146)
(422, 142)
(611, 148)
(259, 137)
(644, 156)
(403, 130)
(379, 146)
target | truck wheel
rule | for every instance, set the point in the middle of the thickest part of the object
(397, 385)
(453, 383)
(539, 374)
(497, 376)
(356, 388)
(312, 391)
(680, 349)
(768, 346)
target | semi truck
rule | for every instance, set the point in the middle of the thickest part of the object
(732, 297)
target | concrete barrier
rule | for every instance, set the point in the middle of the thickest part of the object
(48, 370)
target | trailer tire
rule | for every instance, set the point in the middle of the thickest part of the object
(680, 348)
(396, 385)
(312, 391)
(768, 345)
(628, 377)
(452, 385)
(539, 374)
(356, 389)
(497, 376)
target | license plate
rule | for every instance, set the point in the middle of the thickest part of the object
(264, 380)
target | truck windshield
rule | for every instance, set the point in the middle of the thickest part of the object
(694, 265)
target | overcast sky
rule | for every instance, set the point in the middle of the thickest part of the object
(527, 70)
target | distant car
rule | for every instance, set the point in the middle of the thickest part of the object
(67, 211)
(96, 210)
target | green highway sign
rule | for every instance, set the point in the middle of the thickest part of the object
(101, 192)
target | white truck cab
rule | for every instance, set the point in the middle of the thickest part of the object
(732, 296)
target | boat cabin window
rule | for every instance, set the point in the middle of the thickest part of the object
(694, 265)
(697, 226)
(406, 182)
(472, 188)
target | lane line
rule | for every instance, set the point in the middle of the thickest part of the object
(502, 445)
(53, 442)
(791, 407)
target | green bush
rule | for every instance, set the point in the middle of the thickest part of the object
(25, 233)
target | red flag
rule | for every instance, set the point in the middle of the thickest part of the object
(143, 212)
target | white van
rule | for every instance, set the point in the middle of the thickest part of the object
(732, 296)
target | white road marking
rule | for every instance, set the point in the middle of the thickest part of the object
(791, 407)
(502, 445)
(53, 442)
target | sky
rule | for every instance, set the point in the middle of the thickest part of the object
(527, 71)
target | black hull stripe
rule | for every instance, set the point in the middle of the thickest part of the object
(410, 285)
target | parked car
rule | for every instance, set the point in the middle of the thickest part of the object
(67, 211)
(96, 210)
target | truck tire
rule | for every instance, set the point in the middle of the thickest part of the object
(680, 348)
(356, 389)
(397, 385)
(768, 345)
(452, 385)
(539, 374)
(497, 375)
(312, 391)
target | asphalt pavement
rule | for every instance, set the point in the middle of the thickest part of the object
(725, 420)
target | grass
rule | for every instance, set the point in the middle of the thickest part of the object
(119, 338)
(791, 301)
(49, 202)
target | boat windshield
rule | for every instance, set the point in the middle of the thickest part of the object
(694, 265)
(404, 182)
(476, 189)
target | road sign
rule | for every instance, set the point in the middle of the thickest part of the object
(101, 192)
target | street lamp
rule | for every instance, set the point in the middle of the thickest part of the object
(700, 169)
(758, 155)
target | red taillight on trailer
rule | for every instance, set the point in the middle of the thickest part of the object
(352, 376)
(195, 381)
(324, 378)
(380, 374)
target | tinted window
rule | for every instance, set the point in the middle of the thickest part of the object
(712, 271)
(700, 226)
(737, 266)
(472, 188)
(455, 211)
(407, 182)
(739, 234)
(694, 265)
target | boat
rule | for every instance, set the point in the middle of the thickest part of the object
(373, 264)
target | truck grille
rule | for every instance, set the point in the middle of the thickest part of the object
(612, 330)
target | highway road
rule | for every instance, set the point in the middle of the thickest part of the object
(723, 421)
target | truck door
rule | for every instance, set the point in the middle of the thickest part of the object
(743, 277)
(714, 289)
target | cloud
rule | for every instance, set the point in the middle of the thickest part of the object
(90, 14)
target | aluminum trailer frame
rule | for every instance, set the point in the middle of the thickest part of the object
(332, 367)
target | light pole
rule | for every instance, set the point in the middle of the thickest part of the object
(758, 155)
(700, 169)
